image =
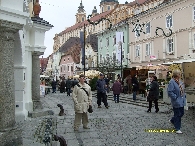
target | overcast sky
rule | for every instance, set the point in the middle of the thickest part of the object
(61, 14)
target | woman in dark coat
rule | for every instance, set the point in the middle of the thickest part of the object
(117, 89)
(153, 94)
(135, 85)
(62, 86)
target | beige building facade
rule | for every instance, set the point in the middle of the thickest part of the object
(152, 48)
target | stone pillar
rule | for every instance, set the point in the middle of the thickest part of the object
(9, 133)
(36, 81)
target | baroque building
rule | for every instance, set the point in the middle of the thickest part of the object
(154, 47)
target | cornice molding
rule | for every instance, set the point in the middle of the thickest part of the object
(10, 25)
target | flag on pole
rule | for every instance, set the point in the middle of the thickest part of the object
(119, 43)
(82, 47)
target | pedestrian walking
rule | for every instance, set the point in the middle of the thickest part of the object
(176, 93)
(53, 85)
(82, 97)
(135, 85)
(107, 84)
(101, 92)
(117, 89)
(62, 86)
(153, 94)
(68, 86)
(129, 83)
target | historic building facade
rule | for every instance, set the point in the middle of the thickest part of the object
(21, 44)
(150, 48)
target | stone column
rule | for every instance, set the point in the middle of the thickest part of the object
(36, 81)
(8, 130)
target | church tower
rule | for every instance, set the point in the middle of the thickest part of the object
(106, 5)
(81, 14)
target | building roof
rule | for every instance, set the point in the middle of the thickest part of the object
(81, 24)
(69, 43)
(93, 41)
(39, 20)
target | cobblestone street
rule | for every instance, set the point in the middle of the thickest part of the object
(121, 125)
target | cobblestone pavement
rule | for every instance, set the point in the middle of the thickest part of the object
(121, 125)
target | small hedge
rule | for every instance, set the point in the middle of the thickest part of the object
(92, 83)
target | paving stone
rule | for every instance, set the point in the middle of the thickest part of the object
(122, 124)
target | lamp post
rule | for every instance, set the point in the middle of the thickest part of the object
(84, 50)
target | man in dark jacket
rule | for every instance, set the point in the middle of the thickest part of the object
(153, 94)
(68, 86)
(135, 85)
(53, 85)
(101, 92)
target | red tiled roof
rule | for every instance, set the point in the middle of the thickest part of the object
(81, 24)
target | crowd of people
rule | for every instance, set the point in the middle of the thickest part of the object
(82, 95)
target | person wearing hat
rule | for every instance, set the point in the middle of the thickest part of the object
(101, 91)
(82, 97)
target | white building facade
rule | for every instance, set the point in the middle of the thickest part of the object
(21, 44)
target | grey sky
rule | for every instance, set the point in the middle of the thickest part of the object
(61, 14)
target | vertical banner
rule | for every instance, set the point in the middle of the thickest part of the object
(119, 42)
(82, 47)
(42, 88)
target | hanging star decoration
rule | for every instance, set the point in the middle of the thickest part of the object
(138, 27)
(100, 20)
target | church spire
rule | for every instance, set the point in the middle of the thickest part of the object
(81, 8)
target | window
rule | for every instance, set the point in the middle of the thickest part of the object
(101, 59)
(64, 68)
(68, 68)
(64, 60)
(137, 51)
(107, 41)
(114, 40)
(71, 68)
(148, 27)
(169, 21)
(108, 8)
(148, 49)
(170, 45)
(61, 68)
(123, 54)
(137, 31)
(194, 12)
(68, 58)
(102, 9)
(194, 40)
(114, 56)
(101, 44)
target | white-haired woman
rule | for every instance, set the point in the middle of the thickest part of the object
(176, 93)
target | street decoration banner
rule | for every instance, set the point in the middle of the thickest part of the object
(42, 88)
(82, 47)
(119, 42)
